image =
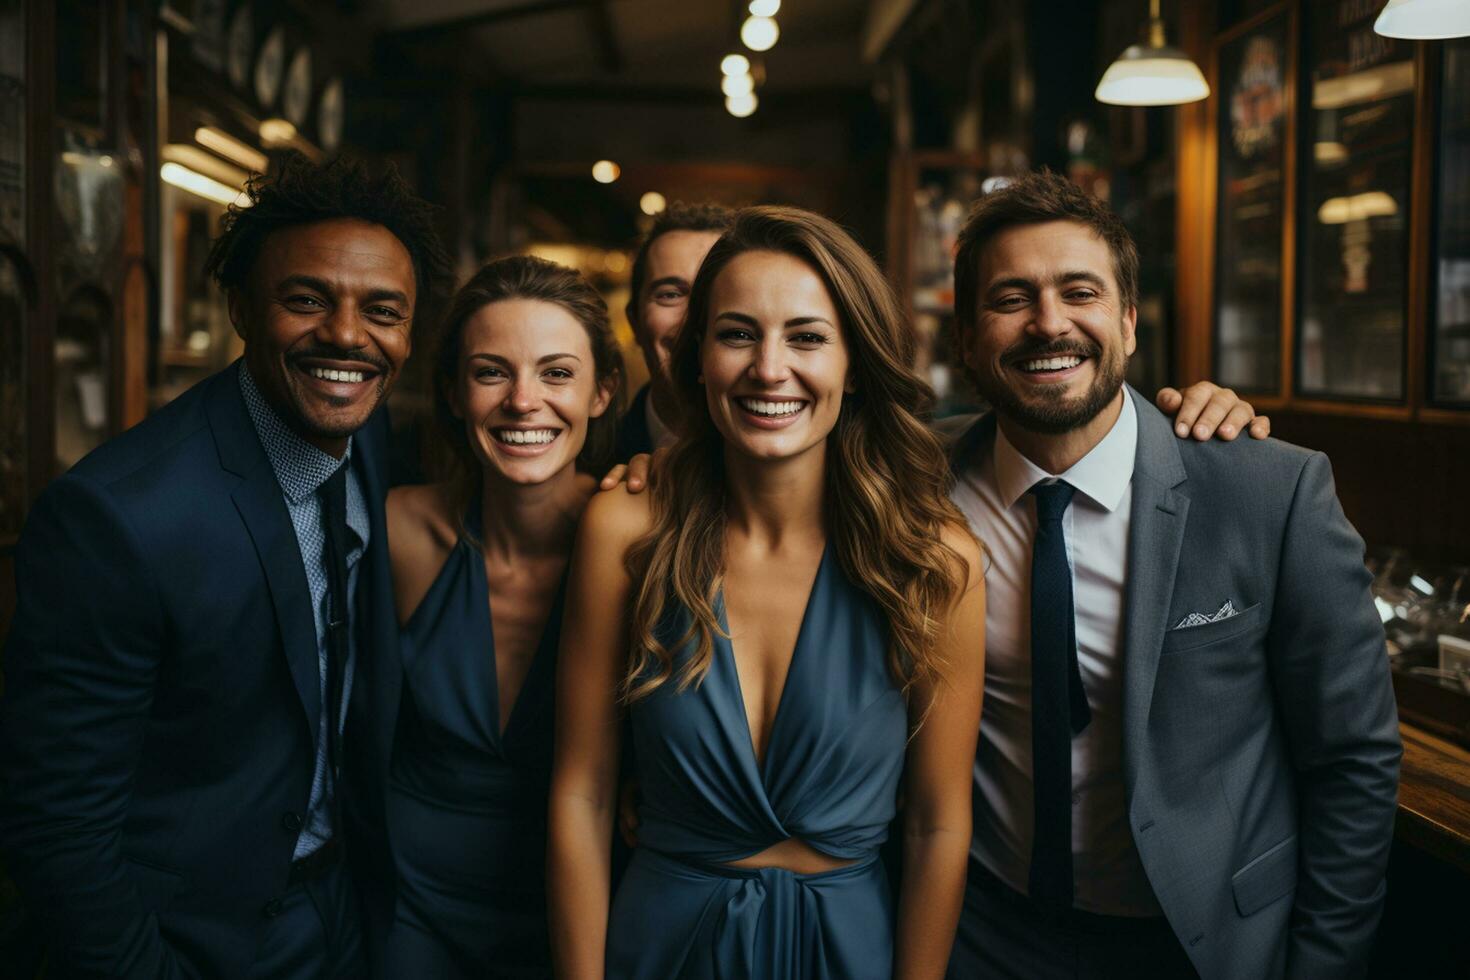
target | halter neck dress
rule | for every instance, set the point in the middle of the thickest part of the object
(467, 802)
(830, 779)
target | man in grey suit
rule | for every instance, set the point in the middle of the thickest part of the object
(1189, 752)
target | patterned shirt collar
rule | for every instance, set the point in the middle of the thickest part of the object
(300, 467)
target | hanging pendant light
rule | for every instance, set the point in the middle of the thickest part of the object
(1424, 20)
(1152, 73)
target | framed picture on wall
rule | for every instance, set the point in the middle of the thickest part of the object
(1251, 206)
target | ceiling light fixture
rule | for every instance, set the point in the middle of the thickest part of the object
(741, 106)
(605, 171)
(277, 132)
(652, 203)
(737, 85)
(759, 33)
(735, 64)
(231, 149)
(1424, 20)
(764, 8)
(1152, 73)
(194, 182)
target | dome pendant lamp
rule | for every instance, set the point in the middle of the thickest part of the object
(1152, 73)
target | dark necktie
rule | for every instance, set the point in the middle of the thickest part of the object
(334, 557)
(1059, 707)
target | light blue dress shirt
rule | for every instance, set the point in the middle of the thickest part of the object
(300, 469)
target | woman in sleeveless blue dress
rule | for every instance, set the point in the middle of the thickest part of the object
(526, 373)
(793, 621)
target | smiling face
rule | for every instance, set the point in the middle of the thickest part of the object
(325, 316)
(527, 388)
(1051, 337)
(774, 361)
(673, 262)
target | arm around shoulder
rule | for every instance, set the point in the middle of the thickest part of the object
(594, 652)
(81, 663)
(1330, 669)
(937, 808)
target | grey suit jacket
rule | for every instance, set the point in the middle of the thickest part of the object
(1260, 752)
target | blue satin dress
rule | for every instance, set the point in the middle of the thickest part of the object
(467, 803)
(830, 779)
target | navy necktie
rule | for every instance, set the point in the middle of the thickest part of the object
(334, 556)
(1059, 707)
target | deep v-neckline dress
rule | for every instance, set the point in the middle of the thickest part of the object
(468, 801)
(829, 778)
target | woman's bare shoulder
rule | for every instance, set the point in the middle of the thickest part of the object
(422, 513)
(615, 519)
(960, 538)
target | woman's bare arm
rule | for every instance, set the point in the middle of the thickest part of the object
(594, 648)
(938, 778)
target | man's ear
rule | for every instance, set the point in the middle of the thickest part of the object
(1130, 331)
(235, 300)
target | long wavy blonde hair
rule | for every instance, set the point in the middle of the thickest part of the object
(887, 480)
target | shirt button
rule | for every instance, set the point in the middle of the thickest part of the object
(272, 908)
(292, 821)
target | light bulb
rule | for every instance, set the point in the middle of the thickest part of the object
(741, 106)
(759, 33)
(605, 171)
(735, 64)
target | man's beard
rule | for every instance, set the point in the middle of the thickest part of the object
(1049, 413)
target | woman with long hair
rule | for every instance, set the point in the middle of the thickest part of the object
(793, 618)
(526, 376)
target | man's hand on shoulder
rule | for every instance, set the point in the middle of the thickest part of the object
(1206, 410)
(633, 474)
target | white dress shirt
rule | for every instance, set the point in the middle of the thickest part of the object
(992, 492)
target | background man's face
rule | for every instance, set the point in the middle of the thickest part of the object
(1051, 337)
(325, 317)
(673, 261)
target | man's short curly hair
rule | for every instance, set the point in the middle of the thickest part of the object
(705, 216)
(300, 192)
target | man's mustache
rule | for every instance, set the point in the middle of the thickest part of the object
(1030, 349)
(334, 354)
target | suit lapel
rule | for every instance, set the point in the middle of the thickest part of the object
(1155, 535)
(261, 507)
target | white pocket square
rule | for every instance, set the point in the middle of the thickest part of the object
(1200, 619)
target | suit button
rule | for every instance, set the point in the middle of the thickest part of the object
(272, 908)
(292, 821)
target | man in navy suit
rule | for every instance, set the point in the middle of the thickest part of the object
(1189, 752)
(201, 679)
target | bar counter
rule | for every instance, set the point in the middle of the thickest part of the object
(1434, 797)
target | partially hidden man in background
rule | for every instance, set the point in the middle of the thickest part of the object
(202, 675)
(1189, 752)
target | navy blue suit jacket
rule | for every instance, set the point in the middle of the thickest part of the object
(633, 434)
(161, 697)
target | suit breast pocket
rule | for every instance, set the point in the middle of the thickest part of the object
(1194, 637)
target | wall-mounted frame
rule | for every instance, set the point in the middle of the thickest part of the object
(1251, 199)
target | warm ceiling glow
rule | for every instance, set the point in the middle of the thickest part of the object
(1357, 207)
(759, 33)
(652, 203)
(231, 149)
(737, 85)
(196, 183)
(764, 8)
(1146, 75)
(735, 64)
(274, 132)
(1329, 152)
(1424, 20)
(191, 157)
(605, 171)
(740, 106)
